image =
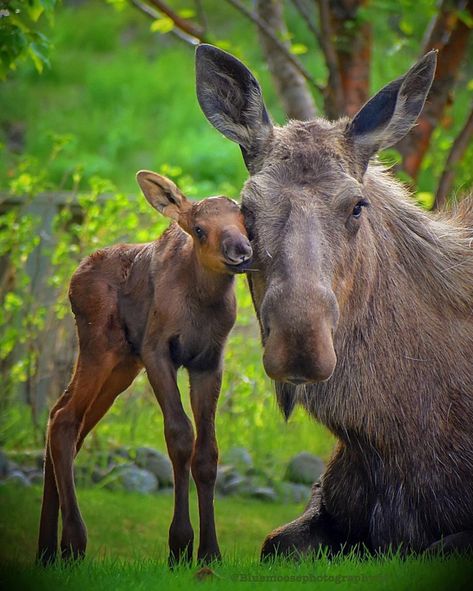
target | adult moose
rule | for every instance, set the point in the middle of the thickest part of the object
(161, 305)
(365, 304)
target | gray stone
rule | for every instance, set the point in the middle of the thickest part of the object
(229, 481)
(156, 463)
(290, 492)
(131, 479)
(264, 493)
(239, 457)
(167, 491)
(33, 458)
(17, 478)
(36, 477)
(304, 468)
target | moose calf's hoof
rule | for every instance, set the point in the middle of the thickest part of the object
(209, 556)
(74, 540)
(46, 556)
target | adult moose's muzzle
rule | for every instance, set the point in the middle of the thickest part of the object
(298, 332)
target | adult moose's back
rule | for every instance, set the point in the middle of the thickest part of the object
(365, 304)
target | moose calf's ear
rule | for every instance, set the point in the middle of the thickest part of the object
(390, 114)
(162, 193)
(231, 99)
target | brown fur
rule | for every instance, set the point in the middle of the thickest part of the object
(366, 310)
(161, 305)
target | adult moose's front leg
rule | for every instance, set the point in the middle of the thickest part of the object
(179, 436)
(205, 389)
(314, 530)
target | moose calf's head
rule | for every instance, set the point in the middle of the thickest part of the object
(216, 224)
(305, 205)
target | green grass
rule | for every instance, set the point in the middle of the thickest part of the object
(127, 550)
(123, 98)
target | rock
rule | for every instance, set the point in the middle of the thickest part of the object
(132, 479)
(304, 468)
(168, 490)
(17, 478)
(239, 457)
(228, 481)
(98, 474)
(264, 493)
(156, 463)
(289, 492)
(233, 484)
(4, 464)
(28, 458)
(36, 477)
(119, 454)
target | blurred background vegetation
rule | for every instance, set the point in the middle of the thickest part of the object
(92, 91)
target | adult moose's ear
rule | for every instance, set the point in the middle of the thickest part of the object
(390, 114)
(162, 194)
(231, 99)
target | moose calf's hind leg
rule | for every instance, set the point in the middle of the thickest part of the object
(63, 435)
(48, 528)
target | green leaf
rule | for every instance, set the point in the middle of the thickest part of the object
(299, 49)
(162, 25)
(186, 13)
(466, 18)
(406, 27)
(39, 59)
(35, 10)
(426, 199)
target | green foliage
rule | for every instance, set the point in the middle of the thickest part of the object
(20, 34)
(98, 217)
(119, 98)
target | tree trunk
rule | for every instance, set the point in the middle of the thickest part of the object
(456, 154)
(290, 85)
(449, 35)
(353, 41)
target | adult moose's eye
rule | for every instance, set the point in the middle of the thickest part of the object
(199, 232)
(356, 213)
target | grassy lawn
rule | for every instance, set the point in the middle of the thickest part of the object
(127, 550)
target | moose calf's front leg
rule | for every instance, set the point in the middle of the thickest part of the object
(205, 389)
(180, 442)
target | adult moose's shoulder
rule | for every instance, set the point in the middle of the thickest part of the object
(364, 302)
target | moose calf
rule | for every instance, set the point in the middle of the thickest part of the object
(160, 305)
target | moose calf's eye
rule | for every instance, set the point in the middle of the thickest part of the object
(199, 232)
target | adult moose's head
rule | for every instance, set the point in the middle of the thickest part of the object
(306, 207)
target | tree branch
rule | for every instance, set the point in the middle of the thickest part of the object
(334, 100)
(153, 14)
(279, 44)
(303, 10)
(448, 34)
(455, 155)
(290, 85)
(184, 25)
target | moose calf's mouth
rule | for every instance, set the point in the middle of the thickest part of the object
(241, 267)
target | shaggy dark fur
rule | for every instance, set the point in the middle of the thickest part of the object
(366, 310)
